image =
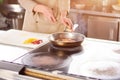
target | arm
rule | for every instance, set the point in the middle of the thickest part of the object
(46, 11)
(33, 5)
(64, 6)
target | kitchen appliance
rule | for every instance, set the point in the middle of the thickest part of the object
(91, 49)
(61, 55)
(14, 14)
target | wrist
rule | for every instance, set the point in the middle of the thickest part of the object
(64, 13)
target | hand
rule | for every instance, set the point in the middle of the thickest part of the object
(46, 11)
(67, 22)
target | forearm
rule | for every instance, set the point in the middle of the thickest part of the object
(64, 13)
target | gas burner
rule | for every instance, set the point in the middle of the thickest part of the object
(46, 60)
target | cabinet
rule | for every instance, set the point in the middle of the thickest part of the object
(103, 28)
(119, 33)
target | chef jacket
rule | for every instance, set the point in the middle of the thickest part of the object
(36, 22)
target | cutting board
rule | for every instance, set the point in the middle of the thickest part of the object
(17, 38)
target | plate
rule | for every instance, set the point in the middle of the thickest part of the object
(17, 38)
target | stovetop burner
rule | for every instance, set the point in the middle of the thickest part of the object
(46, 60)
(49, 57)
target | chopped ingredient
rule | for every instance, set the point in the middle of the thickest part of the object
(37, 42)
(32, 41)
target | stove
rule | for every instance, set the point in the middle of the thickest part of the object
(49, 57)
(80, 60)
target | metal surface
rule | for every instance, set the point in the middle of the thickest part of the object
(108, 26)
(66, 39)
(40, 60)
(6, 9)
(14, 14)
(21, 72)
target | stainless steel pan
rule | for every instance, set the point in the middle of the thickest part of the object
(66, 39)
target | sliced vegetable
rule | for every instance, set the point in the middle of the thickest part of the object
(37, 42)
(32, 41)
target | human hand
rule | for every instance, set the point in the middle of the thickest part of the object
(68, 23)
(46, 11)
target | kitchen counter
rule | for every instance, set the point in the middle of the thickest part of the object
(96, 54)
(100, 54)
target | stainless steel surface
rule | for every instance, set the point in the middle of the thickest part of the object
(66, 39)
(14, 14)
(2, 21)
(22, 72)
(5, 9)
(103, 28)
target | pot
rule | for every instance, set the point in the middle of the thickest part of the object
(16, 9)
(66, 39)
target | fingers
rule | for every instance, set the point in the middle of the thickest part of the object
(68, 23)
(46, 11)
(50, 16)
(52, 19)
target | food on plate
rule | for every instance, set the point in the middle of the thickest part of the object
(32, 41)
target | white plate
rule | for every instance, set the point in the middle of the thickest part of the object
(17, 37)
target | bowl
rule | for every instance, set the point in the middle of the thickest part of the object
(66, 39)
(79, 6)
(116, 7)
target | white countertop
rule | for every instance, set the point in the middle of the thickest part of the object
(11, 43)
(105, 53)
(99, 59)
(10, 53)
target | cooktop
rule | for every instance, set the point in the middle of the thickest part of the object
(49, 57)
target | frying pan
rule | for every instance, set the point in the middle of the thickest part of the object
(66, 39)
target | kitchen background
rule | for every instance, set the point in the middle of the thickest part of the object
(93, 18)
